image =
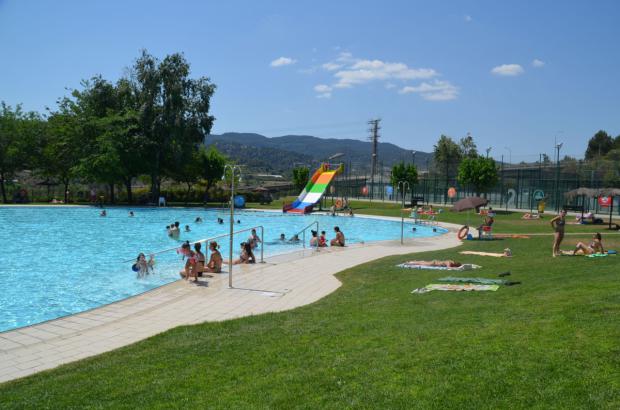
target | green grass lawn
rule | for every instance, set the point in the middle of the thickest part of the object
(550, 342)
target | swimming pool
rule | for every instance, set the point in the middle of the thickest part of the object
(56, 261)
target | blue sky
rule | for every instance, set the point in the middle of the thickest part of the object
(517, 75)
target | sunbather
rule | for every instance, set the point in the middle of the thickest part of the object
(596, 246)
(445, 264)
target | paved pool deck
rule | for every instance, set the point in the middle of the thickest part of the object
(283, 282)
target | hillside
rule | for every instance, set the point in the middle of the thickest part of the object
(282, 152)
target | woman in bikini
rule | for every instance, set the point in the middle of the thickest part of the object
(596, 246)
(200, 259)
(215, 261)
(558, 223)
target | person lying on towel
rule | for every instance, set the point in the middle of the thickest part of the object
(445, 264)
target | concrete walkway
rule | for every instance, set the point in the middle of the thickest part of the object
(284, 282)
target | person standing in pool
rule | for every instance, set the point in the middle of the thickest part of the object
(339, 239)
(558, 223)
(253, 240)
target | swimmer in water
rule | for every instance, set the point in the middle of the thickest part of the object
(198, 220)
(187, 229)
(103, 213)
(143, 267)
(131, 214)
(282, 237)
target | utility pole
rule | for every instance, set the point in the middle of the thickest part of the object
(374, 138)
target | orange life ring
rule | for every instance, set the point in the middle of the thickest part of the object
(462, 234)
(338, 203)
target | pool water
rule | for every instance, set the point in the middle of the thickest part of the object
(56, 261)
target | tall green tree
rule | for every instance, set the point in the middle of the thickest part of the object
(61, 151)
(300, 177)
(480, 173)
(599, 145)
(173, 110)
(447, 155)
(19, 142)
(468, 147)
(212, 167)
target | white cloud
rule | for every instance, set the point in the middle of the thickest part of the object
(323, 91)
(282, 61)
(508, 70)
(434, 91)
(467, 18)
(331, 66)
(538, 63)
(363, 71)
(349, 72)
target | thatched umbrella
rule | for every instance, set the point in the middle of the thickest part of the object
(594, 193)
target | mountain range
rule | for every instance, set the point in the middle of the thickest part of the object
(281, 154)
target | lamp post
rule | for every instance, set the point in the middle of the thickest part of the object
(413, 157)
(234, 169)
(402, 185)
(509, 154)
(557, 176)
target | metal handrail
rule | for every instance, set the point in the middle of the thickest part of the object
(303, 232)
(262, 234)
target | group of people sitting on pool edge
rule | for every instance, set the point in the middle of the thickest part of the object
(321, 241)
(196, 265)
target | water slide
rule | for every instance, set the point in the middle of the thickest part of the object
(314, 190)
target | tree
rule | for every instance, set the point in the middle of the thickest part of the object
(212, 167)
(173, 111)
(402, 172)
(19, 142)
(447, 155)
(61, 148)
(468, 147)
(480, 173)
(599, 145)
(300, 177)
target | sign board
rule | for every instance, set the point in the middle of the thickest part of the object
(239, 201)
(539, 195)
(451, 192)
(604, 200)
(365, 190)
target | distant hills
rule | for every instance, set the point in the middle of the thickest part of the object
(280, 154)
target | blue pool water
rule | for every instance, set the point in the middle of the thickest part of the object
(55, 261)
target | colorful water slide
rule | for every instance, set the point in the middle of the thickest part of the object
(314, 190)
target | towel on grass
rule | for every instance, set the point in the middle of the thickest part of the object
(465, 266)
(457, 288)
(494, 254)
(480, 281)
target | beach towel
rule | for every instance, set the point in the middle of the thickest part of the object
(597, 255)
(480, 281)
(457, 288)
(494, 254)
(465, 266)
